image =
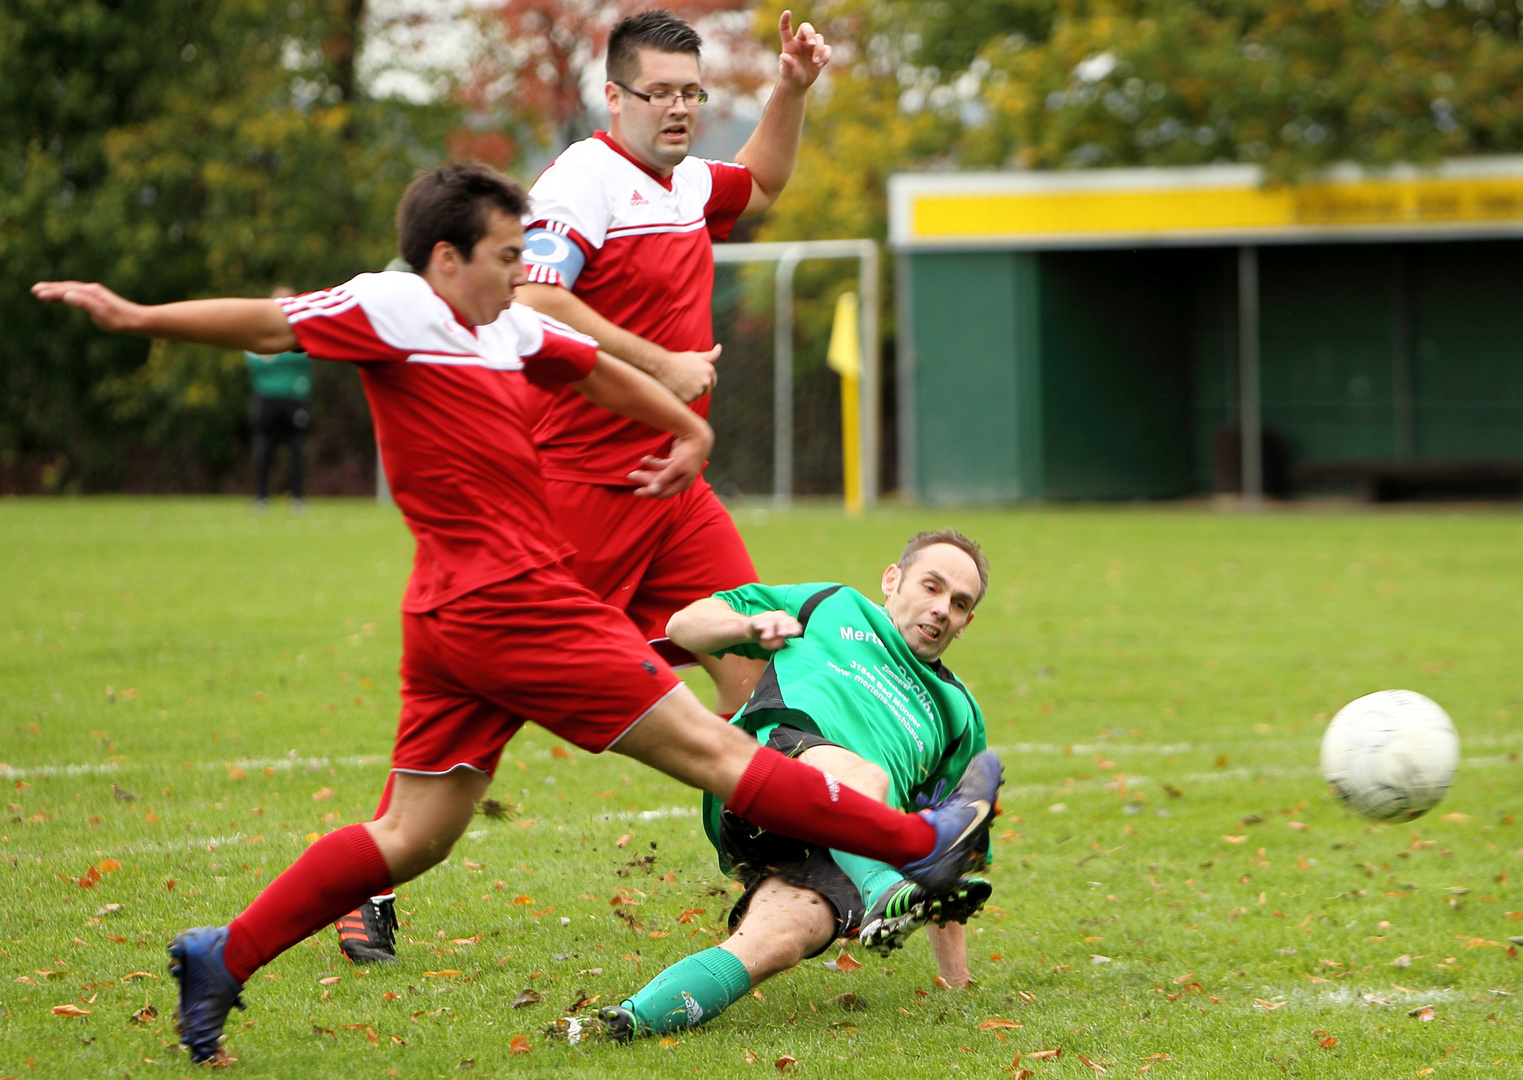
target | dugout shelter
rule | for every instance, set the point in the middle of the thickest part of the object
(1152, 333)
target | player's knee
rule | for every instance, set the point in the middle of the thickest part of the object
(871, 781)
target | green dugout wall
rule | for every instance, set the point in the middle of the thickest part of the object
(1073, 365)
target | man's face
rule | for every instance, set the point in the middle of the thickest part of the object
(932, 601)
(481, 288)
(660, 138)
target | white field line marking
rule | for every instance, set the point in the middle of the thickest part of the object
(285, 764)
(1294, 746)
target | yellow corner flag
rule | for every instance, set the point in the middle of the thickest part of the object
(845, 358)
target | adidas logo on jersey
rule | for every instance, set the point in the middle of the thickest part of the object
(638, 200)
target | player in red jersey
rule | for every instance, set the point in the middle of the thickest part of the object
(619, 247)
(496, 631)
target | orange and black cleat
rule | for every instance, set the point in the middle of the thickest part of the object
(368, 934)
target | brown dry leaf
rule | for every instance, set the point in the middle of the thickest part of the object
(469, 865)
(995, 1022)
(1180, 980)
(116, 938)
(1457, 817)
(446, 973)
(1025, 995)
(322, 793)
(398, 1040)
(560, 752)
(389, 996)
(1101, 1069)
(372, 1036)
(519, 1045)
(621, 841)
(782, 1063)
(1329, 1042)
(845, 962)
(331, 980)
(146, 1015)
(1159, 1057)
(1019, 1074)
(151, 818)
(748, 1057)
(526, 998)
(688, 914)
(1045, 1055)
(669, 1042)
(133, 976)
(1269, 1006)
(69, 1010)
(1298, 826)
(1233, 839)
(1423, 1013)
(109, 866)
(939, 981)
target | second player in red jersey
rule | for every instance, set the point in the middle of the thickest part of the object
(619, 244)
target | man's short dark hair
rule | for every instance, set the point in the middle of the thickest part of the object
(922, 540)
(656, 29)
(453, 203)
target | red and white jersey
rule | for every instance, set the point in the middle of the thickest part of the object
(451, 409)
(637, 248)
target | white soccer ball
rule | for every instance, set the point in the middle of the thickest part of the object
(1391, 754)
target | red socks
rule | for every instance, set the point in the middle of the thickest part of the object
(786, 796)
(330, 879)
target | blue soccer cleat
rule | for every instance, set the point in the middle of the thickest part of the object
(961, 821)
(208, 991)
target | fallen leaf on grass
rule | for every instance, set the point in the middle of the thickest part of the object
(560, 752)
(1159, 1057)
(146, 1015)
(1402, 961)
(1424, 1013)
(133, 976)
(389, 996)
(109, 866)
(116, 938)
(782, 1063)
(322, 793)
(446, 973)
(669, 1042)
(331, 980)
(469, 865)
(1298, 826)
(1025, 995)
(1269, 1006)
(525, 998)
(1329, 1042)
(845, 962)
(748, 1057)
(1233, 839)
(1101, 1069)
(519, 1045)
(398, 1040)
(995, 1022)
(939, 981)
(69, 1010)
(622, 841)
(523, 900)
(1045, 1055)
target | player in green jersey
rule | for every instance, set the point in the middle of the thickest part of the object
(858, 690)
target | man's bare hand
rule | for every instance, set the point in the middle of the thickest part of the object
(772, 629)
(108, 310)
(661, 478)
(690, 375)
(804, 54)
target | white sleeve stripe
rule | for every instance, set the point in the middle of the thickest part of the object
(335, 306)
(646, 230)
(566, 331)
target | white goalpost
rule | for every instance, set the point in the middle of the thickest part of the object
(787, 255)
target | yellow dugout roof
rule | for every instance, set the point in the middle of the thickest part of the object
(1208, 205)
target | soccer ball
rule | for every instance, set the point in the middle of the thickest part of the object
(1391, 755)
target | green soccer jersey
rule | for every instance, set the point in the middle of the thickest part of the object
(284, 375)
(852, 679)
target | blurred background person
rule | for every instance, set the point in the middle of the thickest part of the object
(281, 413)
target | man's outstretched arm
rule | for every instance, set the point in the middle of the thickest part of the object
(710, 624)
(773, 147)
(689, 375)
(257, 326)
(622, 389)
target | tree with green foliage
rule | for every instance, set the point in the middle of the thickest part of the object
(178, 148)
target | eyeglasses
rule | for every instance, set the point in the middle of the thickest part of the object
(665, 99)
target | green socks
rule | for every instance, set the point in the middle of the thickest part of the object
(872, 878)
(690, 992)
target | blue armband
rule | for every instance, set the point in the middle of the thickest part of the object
(543, 247)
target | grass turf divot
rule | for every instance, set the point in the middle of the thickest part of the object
(1157, 680)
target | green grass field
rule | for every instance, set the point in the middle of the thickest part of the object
(1175, 891)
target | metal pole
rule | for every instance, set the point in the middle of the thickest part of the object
(904, 376)
(1249, 393)
(872, 395)
(782, 378)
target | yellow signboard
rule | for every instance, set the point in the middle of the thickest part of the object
(1213, 202)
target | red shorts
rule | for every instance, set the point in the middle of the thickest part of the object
(538, 647)
(650, 557)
